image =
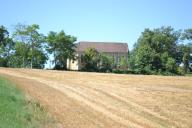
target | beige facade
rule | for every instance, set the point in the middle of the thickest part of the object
(72, 64)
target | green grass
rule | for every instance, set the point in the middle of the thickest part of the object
(18, 112)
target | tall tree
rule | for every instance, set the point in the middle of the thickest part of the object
(105, 62)
(90, 60)
(52, 45)
(6, 47)
(62, 47)
(123, 63)
(155, 47)
(186, 58)
(3, 34)
(186, 50)
(21, 56)
(29, 35)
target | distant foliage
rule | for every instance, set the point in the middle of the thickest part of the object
(123, 63)
(29, 49)
(6, 47)
(105, 62)
(158, 51)
(62, 47)
(92, 60)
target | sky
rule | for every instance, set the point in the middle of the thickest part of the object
(97, 20)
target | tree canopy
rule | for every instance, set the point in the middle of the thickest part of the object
(158, 51)
(6, 46)
(62, 47)
(30, 46)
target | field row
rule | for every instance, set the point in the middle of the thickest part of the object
(109, 100)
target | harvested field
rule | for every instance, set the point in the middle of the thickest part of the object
(94, 100)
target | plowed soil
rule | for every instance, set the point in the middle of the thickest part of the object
(94, 100)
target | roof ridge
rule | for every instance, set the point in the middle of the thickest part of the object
(102, 42)
(103, 46)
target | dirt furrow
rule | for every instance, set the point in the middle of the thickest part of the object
(74, 95)
(110, 100)
(69, 112)
(126, 105)
(77, 95)
(80, 95)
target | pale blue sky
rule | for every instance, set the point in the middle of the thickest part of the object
(98, 20)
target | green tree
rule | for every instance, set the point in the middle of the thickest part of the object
(3, 35)
(171, 65)
(40, 58)
(143, 58)
(29, 35)
(105, 62)
(6, 47)
(154, 47)
(186, 50)
(21, 57)
(90, 60)
(62, 47)
(52, 44)
(8, 51)
(123, 63)
(131, 60)
(186, 59)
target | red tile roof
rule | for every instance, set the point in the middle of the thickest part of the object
(103, 46)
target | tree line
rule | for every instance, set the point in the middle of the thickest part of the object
(157, 51)
(28, 48)
(162, 51)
